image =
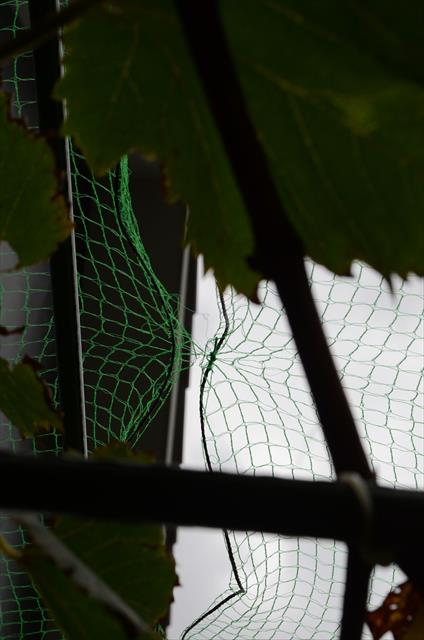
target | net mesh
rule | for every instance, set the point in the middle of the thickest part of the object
(129, 321)
(25, 300)
(132, 344)
(259, 417)
(257, 409)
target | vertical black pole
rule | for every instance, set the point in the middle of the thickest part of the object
(47, 61)
(356, 595)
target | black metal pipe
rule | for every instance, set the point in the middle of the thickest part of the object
(157, 493)
(62, 266)
(279, 252)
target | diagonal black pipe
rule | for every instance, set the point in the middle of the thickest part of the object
(279, 253)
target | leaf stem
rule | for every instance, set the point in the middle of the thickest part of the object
(279, 251)
(43, 31)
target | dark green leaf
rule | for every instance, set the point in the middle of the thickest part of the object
(342, 126)
(33, 218)
(120, 451)
(393, 37)
(82, 604)
(25, 400)
(333, 93)
(143, 95)
(131, 558)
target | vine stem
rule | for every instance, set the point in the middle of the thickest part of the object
(279, 253)
(45, 29)
(219, 342)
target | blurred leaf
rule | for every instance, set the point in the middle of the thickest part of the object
(25, 399)
(394, 37)
(81, 603)
(333, 91)
(143, 95)
(402, 613)
(121, 451)
(131, 558)
(341, 122)
(416, 629)
(33, 217)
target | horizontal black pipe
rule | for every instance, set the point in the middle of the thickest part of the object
(157, 493)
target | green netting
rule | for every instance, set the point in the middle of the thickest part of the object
(25, 300)
(132, 344)
(129, 321)
(257, 409)
(259, 417)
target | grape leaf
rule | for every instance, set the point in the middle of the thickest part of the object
(338, 109)
(25, 399)
(402, 613)
(130, 558)
(341, 123)
(33, 217)
(83, 565)
(82, 604)
(143, 95)
(121, 452)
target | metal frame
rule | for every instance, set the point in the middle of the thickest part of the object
(219, 500)
(63, 263)
(329, 510)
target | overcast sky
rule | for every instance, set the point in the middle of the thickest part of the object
(376, 337)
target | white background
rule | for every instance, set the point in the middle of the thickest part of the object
(392, 343)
